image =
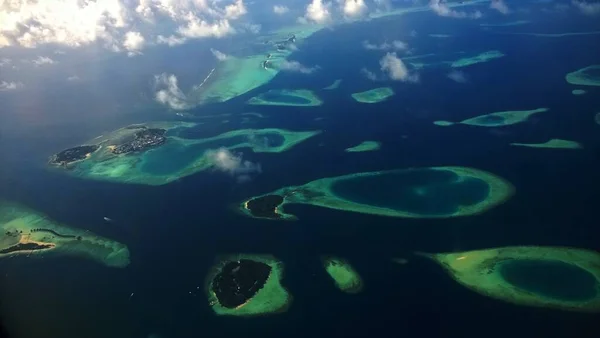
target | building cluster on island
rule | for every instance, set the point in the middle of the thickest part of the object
(142, 140)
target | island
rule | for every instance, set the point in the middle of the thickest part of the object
(284, 97)
(480, 58)
(334, 85)
(597, 118)
(578, 92)
(553, 277)
(506, 24)
(497, 119)
(73, 155)
(373, 95)
(146, 154)
(247, 285)
(553, 143)
(430, 192)
(32, 234)
(343, 274)
(364, 146)
(588, 76)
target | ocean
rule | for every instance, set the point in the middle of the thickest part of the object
(176, 231)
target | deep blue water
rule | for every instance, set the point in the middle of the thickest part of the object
(175, 231)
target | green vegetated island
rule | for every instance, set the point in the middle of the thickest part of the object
(364, 146)
(32, 234)
(343, 274)
(247, 285)
(284, 97)
(588, 76)
(430, 192)
(497, 119)
(154, 154)
(552, 277)
(334, 85)
(258, 60)
(373, 95)
(553, 143)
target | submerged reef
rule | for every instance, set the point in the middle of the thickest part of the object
(554, 277)
(26, 232)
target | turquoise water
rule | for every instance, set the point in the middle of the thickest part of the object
(553, 279)
(423, 191)
(279, 96)
(175, 156)
(491, 120)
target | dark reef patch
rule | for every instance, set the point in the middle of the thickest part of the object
(239, 281)
(264, 206)
(25, 247)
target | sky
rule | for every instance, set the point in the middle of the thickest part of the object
(70, 36)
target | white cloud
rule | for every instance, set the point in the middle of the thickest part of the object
(6, 86)
(134, 42)
(353, 8)
(394, 45)
(500, 6)
(168, 92)
(73, 78)
(252, 28)
(226, 161)
(278, 9)
(588, 8)
(317, 12)
(197, 28)
(42, 60)
(295, 66)
(442, 9)
(5, 62)
(219, 55)
(369, 74)
(235, 10)
(457, 76)
(395, 69)
(76, 23)
(170, 40)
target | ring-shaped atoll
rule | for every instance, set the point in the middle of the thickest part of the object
(247, 285)
(285, 97)
(583, 76)
(554, 143)
(553, 277)
(32, 234)
(373, 95)
(364, 146)
(430, 192)
(343, 274)
(497, 119)
(153, 154)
